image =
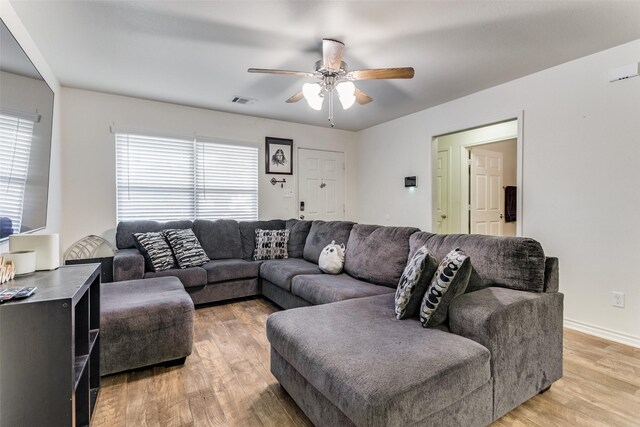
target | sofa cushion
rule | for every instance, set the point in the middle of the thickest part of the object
(220, 239)
(298, 232)
(190, 277)
(374, 368)
(377, 254)
(449, 281)
(414, 282)
(271, 244)
(248, 234)
(321, 234)
(221, 270)
(125, 230)
(511, 262)
(186, 248)
(156, 250)
(281, 271)
(327, 288)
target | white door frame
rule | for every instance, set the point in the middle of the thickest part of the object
(520, 161)
(297, 178)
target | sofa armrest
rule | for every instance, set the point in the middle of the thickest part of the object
(523, 332)
(551, 275)
(128, 264)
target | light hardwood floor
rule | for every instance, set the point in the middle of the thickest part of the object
(226, 382)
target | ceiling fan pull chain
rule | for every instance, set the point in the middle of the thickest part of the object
(330, 93)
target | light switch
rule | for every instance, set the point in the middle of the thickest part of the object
(288, 193)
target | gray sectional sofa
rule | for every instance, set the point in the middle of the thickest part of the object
(342, 355)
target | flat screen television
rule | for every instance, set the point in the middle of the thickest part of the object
(26, 119)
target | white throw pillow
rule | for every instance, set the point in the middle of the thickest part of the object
(331, 258)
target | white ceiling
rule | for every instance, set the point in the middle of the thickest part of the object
(12, 57)
(197, 53)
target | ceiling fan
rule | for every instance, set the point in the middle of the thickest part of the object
(333, 75)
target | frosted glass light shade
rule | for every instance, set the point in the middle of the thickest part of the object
(311, 92)
(346, 94)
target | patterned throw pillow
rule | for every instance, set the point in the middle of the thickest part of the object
(413, 283)
(186, 248)
(156, 251)
(450, 280)
(271, 244)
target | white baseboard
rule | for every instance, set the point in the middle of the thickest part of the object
(607, 334)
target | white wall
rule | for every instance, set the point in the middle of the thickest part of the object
(88, 156)
(580, 177)
(10, 18)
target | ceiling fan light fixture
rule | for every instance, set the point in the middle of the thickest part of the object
(311, 92)
(346, 94)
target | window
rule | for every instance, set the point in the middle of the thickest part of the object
(15, 148)
(167, 178)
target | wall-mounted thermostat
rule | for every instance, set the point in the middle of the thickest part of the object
(410, 181)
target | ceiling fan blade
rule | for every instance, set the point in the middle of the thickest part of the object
(382, 73)
(283, 72)
(362, 97)
(295, 97)
(332, 51)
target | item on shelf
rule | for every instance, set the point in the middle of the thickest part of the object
(24, 262)
(7, 270)
(16, 293)
(88, 247)
(46, 247)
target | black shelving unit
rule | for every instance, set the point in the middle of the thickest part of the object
(50, 358)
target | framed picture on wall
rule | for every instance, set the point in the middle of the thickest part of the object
(279, 156)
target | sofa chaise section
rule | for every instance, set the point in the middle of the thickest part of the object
(376, 370)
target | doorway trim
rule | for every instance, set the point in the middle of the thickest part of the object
(519, 162)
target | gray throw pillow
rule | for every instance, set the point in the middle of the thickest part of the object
(413, 283)
(271, 244)
(155, 250)
(186, 248)
(450, 280)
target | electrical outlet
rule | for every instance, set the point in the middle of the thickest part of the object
(618, 299)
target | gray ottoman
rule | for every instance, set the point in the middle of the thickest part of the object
(144, 322)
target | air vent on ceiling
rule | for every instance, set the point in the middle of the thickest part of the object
(242, 100)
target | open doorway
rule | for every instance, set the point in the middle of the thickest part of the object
(476, 180)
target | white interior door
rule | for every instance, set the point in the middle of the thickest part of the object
(486, 192)
(442, 192)
(321, 185)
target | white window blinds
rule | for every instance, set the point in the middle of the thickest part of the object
(226, 181)
(167, 178)
(15, 147)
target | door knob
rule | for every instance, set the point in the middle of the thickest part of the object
(501, 216)
(443, 216)
(301, 216)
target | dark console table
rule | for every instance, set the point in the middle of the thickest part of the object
(49, 349)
